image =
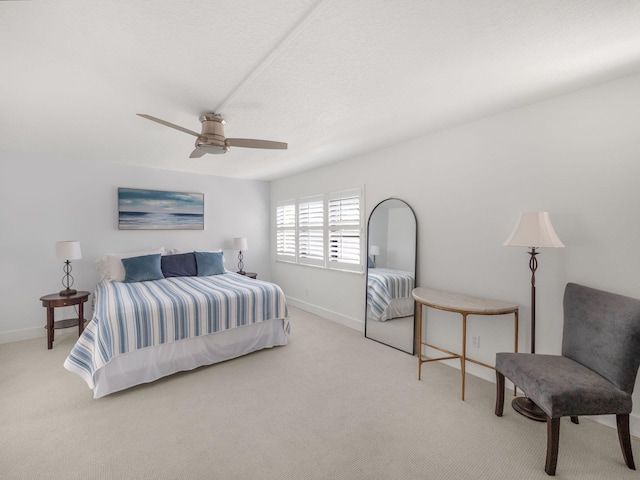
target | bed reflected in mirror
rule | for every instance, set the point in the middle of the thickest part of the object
(391, 252)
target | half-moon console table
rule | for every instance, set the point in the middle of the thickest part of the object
(464, 305)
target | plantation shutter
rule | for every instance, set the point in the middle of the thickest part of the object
(311, 230)
(286, 231)
(344, 219)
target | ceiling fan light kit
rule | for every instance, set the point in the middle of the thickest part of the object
(212, 139)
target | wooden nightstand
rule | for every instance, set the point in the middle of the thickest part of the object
(50, 302)
(250, 274)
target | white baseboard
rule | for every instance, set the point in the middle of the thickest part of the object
(610, 421)
(20, 335)
(634, 425)
(356, 324)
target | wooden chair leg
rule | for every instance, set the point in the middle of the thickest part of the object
(625, 440)
(553, 436)
(499, 394)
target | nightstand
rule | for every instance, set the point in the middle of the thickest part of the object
(54, 300)
(250, 274)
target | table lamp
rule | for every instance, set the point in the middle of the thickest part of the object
(374, 250)
(240, 244)
(66, 251)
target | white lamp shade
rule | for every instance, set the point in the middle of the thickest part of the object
(240, 243)
(374, 250)
(534, 230)
(68, 250)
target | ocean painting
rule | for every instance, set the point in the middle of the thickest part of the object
(159, 210)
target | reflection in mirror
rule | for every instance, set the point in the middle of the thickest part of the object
(391, 250)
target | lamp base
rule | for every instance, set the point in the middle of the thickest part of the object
(527, 407)
(241, 272)
(67, 292)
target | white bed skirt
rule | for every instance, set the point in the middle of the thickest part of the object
(398, 308)
(149, 364)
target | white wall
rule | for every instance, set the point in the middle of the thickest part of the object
(575, 156)
(48, 199)
(401, 239)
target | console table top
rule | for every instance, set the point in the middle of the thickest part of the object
(455, 302)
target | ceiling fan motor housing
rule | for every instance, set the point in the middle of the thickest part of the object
(212, 139)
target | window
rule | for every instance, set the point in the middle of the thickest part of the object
(325, 232)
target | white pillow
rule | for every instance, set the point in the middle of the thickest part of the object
(177, 251)
(111, 268)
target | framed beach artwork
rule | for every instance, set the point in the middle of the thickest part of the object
(159, 210)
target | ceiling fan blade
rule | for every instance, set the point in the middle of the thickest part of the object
(167, 124)
(253, 143)
(197, 153)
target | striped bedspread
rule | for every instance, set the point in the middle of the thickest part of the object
(131, 316)
(383, 285)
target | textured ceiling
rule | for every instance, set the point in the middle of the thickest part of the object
(333, 78)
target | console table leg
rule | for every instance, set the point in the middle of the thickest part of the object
(463, 358)
(419, 335)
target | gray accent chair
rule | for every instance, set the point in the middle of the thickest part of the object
(595, 374)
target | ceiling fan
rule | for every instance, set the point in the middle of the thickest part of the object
(212, 139)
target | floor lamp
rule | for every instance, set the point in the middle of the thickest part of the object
(533, 230)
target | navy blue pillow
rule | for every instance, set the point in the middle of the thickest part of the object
(142, 269)
(209, 263)
(180, 265)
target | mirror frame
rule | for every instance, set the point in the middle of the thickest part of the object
(415, 276)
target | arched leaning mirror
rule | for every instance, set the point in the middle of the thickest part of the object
(391, 269)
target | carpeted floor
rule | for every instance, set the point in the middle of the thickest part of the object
(330, 405)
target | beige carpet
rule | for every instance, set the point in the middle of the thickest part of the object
(330, 405)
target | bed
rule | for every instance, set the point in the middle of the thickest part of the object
(389, 294)
(144, 330)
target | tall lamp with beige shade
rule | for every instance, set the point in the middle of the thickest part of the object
(533, 230)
